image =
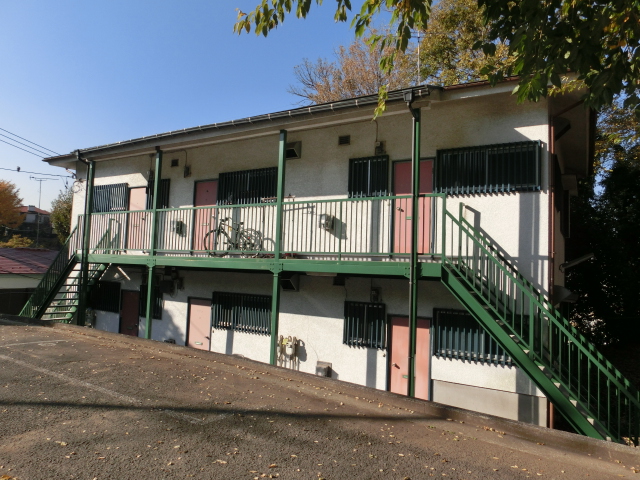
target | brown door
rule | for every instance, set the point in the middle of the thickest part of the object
(199, 323)
(399, 357)
(205, 219)
(403, 214)
(129, 318)
(137, 232)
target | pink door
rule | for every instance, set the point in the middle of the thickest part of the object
(129, 318)
(205, 218)
(199, 323)
(403, 214)
(399, 357)
(137, 231)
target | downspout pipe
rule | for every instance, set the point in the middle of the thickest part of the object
(86, 238)
(151, 280)
(277, 265)
(413, 267)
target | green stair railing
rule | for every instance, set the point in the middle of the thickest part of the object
(588, 390)
(59, 269)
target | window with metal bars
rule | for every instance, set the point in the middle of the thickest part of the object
(110, 198)
(508, 167)
(365, 325)
(105, 296)
(163, 193)
(242, 312)
(156, 305)
(369, 176)
(247, 186)
(456, 334)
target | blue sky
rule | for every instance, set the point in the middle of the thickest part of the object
(76, 74)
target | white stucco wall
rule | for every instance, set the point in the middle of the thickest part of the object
(517, 222)
(508, 378)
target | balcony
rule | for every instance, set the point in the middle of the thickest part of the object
(338, 230)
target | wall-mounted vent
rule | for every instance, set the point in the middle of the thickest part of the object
(294, 150)
(175, 162)
(344, 140)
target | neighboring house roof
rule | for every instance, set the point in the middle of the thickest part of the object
(25, 261)
(32, 209)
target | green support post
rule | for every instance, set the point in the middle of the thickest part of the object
(86, 238)
(151, 285)
(275, 299)
(152, 245)
(275, 310)
(413, 269)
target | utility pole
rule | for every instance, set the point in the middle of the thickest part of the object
(39, 199)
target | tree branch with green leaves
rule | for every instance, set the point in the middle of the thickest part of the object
(595, 40)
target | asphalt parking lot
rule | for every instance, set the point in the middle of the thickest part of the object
(77, 404)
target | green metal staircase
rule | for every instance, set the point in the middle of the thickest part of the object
(56, 296)
(594, 397)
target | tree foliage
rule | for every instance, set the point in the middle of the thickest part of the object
(10, 202)
(598, 40)
(606, 221)
(447, 54)
(354, 72)
(17, 241)
(61, 214)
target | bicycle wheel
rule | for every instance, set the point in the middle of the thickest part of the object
(250, 242)
(211, 240)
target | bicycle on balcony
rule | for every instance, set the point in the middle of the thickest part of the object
(232, 237)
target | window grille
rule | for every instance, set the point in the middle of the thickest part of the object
(163, 193)
(508, 167)
(105, 296)
(242, 312)
(369, 176)
(456, 334)
(156, 305)
(365, 325)
(110, 198)
(247, 186)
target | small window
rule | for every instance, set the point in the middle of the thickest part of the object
(369, 176)
(157, 302)
(105, 296)
(110, 198)
(247, 186)
(365, 325)
(242, 312)
(456, 334)
(163, 193)
(508, 167)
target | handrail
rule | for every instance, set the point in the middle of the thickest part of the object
(522, 294)
(548, 306)
(51, 278)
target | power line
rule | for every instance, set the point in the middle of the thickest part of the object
(39, 156)
(35, 173)
(29, 141)
(44, 154)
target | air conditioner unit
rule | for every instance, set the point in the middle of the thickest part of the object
(326, 221)
(293, 150)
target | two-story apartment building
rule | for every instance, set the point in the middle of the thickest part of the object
(417, 252)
